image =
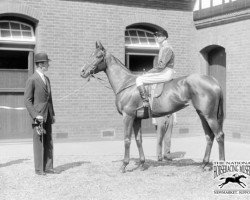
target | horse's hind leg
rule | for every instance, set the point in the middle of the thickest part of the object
(138, 139)
(161, 131)
(128, 123)
(216, 127)
(209, 138)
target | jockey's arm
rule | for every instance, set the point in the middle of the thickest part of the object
(163, 60)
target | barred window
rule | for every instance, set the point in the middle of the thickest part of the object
(16, 31)
(139, 38)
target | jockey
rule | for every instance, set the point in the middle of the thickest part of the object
(162, 72)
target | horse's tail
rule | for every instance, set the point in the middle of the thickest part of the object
(220, 112)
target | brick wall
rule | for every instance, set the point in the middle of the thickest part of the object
(67, 31)
(234, 37)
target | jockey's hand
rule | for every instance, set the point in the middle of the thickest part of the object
(39, 118)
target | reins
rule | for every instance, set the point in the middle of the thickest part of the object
(75, 91)
(99, 81)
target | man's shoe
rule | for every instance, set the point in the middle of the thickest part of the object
(51, 171)
(40, 173)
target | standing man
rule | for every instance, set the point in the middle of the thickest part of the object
(165, 124)
(38, 101)
(162, 72)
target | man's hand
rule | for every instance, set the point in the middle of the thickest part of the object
(39, 118)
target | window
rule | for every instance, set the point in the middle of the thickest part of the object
(140, 38)
(16, 31)
(208, 3)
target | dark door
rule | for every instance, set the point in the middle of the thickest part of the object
(217, 68)
(14, 69)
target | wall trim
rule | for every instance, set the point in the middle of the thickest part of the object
(224, 19)
(18, 9)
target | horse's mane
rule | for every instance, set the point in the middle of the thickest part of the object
(121, 64)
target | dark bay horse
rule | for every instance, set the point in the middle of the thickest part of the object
(203, 92)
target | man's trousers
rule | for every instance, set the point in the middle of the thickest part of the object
(43, 148)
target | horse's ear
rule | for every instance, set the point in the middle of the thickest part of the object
(99, 45)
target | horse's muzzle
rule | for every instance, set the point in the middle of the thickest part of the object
(84, 74)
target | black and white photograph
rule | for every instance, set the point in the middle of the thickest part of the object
(124, 99)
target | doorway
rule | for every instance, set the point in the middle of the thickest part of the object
(215, 59)
(217, 68)
(15, 65)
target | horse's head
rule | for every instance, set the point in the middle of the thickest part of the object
(96, 62)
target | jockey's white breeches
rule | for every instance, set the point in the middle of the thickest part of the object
(153, 78)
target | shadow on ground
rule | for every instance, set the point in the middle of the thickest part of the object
(177, 160)
(67, 166)
(13, 162)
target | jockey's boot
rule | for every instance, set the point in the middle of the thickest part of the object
(144, 96)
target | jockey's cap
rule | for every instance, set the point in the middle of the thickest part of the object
(161, 33)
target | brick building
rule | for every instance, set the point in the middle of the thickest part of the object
(67, 31)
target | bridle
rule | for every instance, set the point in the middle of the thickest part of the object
(92, 74)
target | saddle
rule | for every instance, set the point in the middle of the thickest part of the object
(154, 92)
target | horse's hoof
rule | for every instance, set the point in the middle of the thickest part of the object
(142, 168)
(207, 168)
(159, 159)
(122, 170)
(204, 165)
(167, 158)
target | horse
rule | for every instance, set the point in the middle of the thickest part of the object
(234, 179)
(204, 93)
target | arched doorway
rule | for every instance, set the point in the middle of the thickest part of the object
(17, 42)
(216, 65)
(141, 54)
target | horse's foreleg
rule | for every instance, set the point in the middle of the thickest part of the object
(242, 183)
(138, 139)
(161, 131)
(128, 123)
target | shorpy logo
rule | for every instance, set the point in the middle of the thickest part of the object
(232, 177)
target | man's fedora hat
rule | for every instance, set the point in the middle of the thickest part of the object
(161, 33)
(41, 57)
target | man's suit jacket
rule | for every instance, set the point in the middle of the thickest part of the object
(37, 97)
